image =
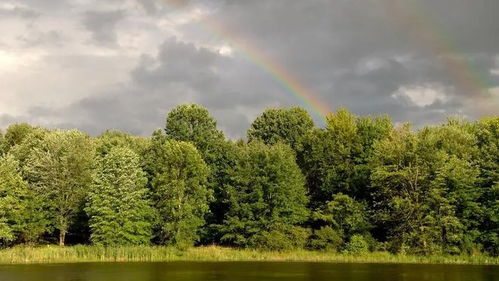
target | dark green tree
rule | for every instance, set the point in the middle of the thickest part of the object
(400, 181)
(345, 215)
(22, 218)
(110, 139)
(286, 125)
(13, 199)
(487, 133)
(336, 158)
(193, 123)
(118, 206)
(425, 189)
(178, 179)
(60, 172)
(266, 191)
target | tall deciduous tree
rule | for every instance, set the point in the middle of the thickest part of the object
(13, 198)
(60, 170)
(487, 133)
(400, 181)
(193, 123)
(179, 186)
(345, 215)
(2, 143)
(287, 125)
(16, 133)
(266, 190)
(110, 139)
(336, 158)
(118, 205)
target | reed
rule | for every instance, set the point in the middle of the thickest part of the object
(74, 254)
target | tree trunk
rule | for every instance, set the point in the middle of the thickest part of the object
(62, 237)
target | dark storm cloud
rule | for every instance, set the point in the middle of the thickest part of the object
(179, 73)
(102, 25)
(370, 56)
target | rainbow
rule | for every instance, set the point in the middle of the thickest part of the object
(293, 86)
(434, 40)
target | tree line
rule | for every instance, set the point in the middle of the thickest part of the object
(358, 184)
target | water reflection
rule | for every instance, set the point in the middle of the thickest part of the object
(250, 271)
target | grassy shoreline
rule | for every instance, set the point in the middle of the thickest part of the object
(79, 254)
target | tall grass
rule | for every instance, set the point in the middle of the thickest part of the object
(54, 254)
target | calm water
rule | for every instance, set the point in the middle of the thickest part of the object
(245, 272)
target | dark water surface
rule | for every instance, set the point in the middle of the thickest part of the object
(245, 271)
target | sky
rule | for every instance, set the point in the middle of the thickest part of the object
(123, 64)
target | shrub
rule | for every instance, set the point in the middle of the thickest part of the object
(357, 245)
(282, 238)
(327, 239)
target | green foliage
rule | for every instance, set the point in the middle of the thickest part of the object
(426, 191)
(336, 158)
(266, 189)
(60, 172)
(355, 185)
(178, 181)
(3, 144)
(13, 196)
(326, 238)
(357, 245)
(193, 123)
(344, 214)
(282, 237)
(15, 134)
(286, 125)
(119, 211)
(487, 134)
(110, 139)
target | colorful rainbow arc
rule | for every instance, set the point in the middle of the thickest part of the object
(434, 40)
(294, 87)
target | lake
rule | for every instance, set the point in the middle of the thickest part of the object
(246, 271)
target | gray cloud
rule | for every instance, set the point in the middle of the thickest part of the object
(417, 63)
(102, 25)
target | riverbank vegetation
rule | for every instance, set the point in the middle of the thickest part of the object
(291, 190)
(80, 253)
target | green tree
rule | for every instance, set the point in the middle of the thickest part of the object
(22, 149)
(286, 125)
(15, 134)
(60, 171)
(13, 197)
(424, 188)
(118, 205)
(193, 123)
(179, 186)
(336, 158)
(22, 219)
(266, 189)
(2, 143)
(487, 133)
(344, 214)
(110, 139)
(400, 180)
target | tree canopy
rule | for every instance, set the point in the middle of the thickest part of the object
(357, 184)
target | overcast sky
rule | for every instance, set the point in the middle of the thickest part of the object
(123, 64)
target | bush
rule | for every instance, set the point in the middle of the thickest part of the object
(282, 238)
(357, 245)
(327, 239)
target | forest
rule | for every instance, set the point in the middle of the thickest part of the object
(358, 184)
